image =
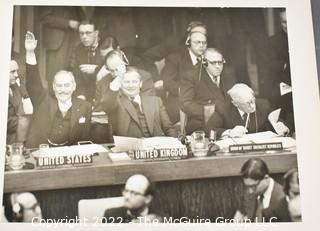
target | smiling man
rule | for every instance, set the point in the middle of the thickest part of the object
(58, 119)
(133, 114)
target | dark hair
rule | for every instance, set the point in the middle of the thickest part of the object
(88, 22)
(254, 168)
(288, 178)
(109, 41)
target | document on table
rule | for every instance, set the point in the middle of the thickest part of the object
(71, 150)
(123, 144)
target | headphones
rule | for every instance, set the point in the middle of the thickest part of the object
(188, 40)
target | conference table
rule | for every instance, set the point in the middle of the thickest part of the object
(202, 187)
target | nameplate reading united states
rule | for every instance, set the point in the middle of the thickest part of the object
(77, 155)
(256, 147)
(161, 154)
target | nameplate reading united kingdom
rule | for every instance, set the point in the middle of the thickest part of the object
(161, 154)
(258, 147)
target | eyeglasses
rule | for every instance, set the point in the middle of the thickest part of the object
(253, 186)
(132, 193)
(82, 33)
(219, 63)
(199, 42)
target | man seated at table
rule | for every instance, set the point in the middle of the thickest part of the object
(244, 114)
(263, 194)
(132, 113)
(58, 119)
(138, 194)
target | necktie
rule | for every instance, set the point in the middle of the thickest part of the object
(136, 105)
(259, 210)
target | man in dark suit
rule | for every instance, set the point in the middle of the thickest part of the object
(134, 114)
(19, 106)
(138, 194)
(58, 119)
(85, 60)
(292, 192)
(244, 114)
(203, 87)
(176, 67)
(264, 193)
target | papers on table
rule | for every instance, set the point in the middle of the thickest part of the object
(71, 150)
(123, 144)
(256, 138)
(119, 156)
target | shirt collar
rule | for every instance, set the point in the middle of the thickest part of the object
(64, 107)
(267, 194)
(214, 79)
(193, 58)
(241, 112)
(143, 213)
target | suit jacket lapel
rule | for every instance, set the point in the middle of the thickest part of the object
(213, 88)
(127, 105)
(75, 113)
(236, 117)
(148, 112)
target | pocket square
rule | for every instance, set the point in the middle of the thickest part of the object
(82, 120)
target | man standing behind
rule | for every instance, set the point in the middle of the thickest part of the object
(180, 63)
(265, 191)
(134, 114)
(58, 119)
(137, 194)
(85, 59)
(203, 87)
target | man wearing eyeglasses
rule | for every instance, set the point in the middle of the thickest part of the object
(137, 194)
(85, 60)
(178, 64)
(264, 193)
(243, 114)
(203, 87)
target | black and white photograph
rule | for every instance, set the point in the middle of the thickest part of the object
(151, 114)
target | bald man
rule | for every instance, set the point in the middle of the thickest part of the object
(203, 87)
(58, 119)
(137, 194)
(244, 114)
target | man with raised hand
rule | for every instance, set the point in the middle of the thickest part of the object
(58, 119)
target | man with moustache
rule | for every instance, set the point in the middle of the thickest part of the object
(58, 119)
